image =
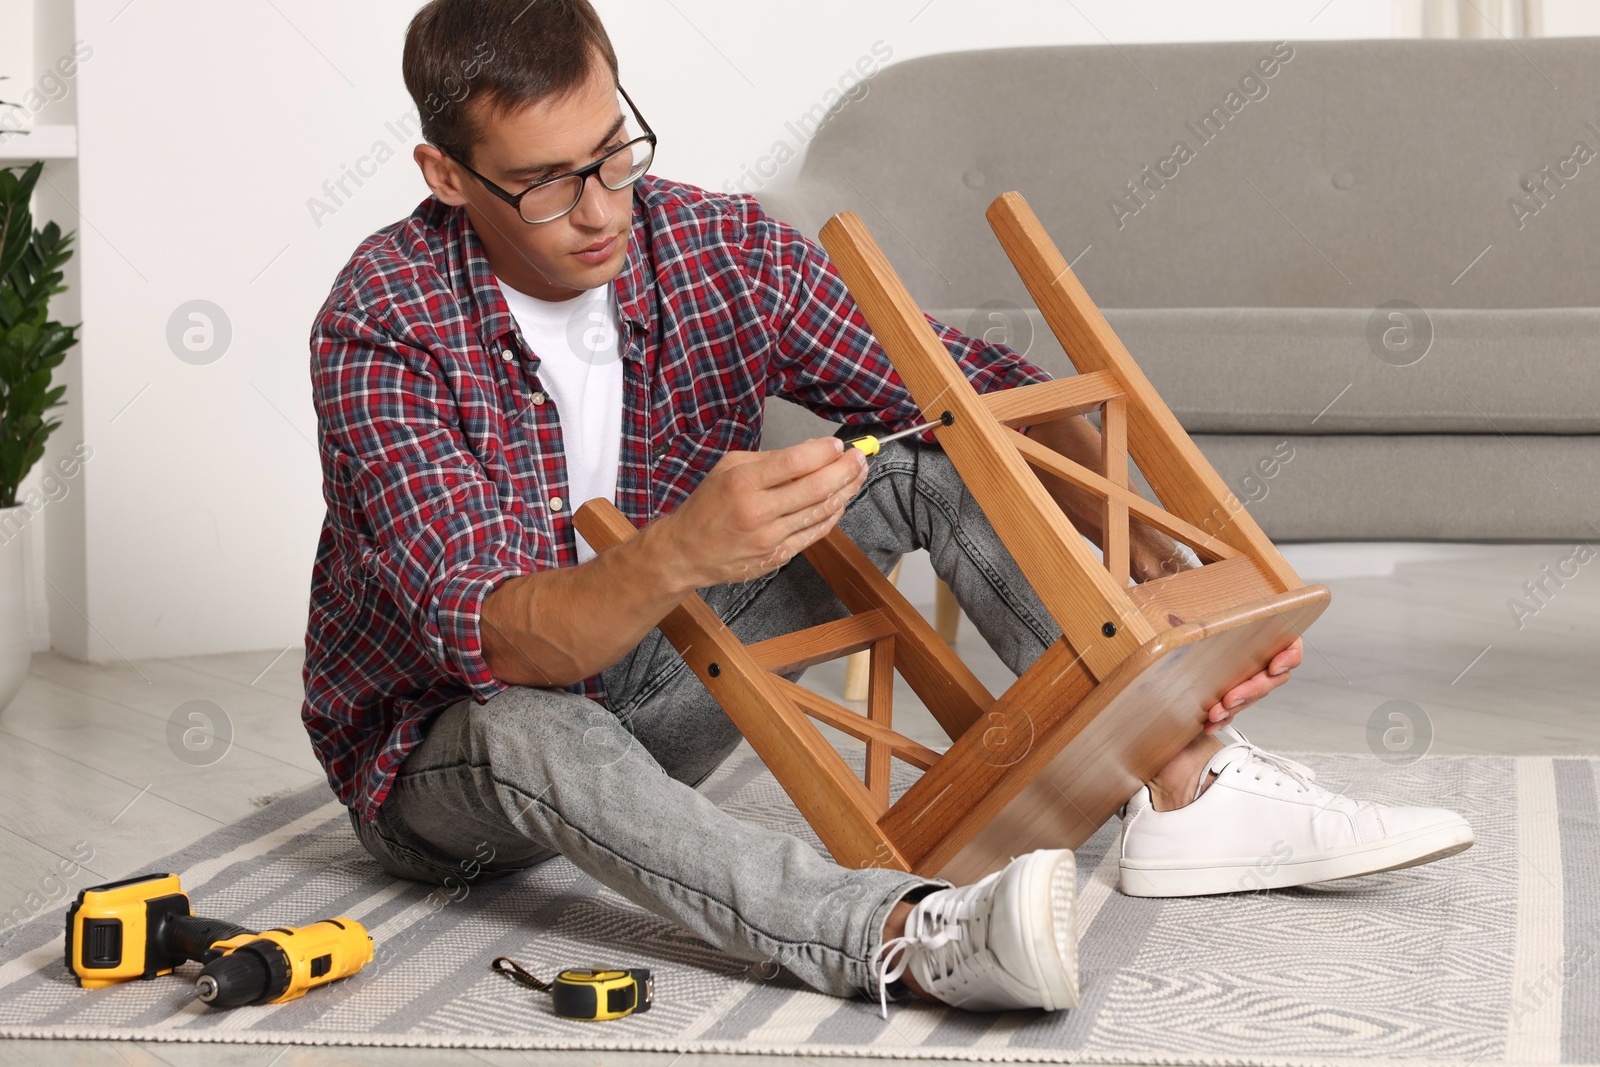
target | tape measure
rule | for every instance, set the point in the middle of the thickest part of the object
(589, 994)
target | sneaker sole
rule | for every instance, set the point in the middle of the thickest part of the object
(1053, 875)
(1392, 854)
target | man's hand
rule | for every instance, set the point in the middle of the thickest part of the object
(1152, 555)
(750, 514)
(755, 511)
(1253, 689)
(1162, 559)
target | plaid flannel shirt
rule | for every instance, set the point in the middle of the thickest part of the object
(442, 460)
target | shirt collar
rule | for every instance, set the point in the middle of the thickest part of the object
(635, 297)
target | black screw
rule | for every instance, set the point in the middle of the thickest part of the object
(714, 670)
(1109, 629)
(948, 419)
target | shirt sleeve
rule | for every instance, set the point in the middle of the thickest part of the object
(404, 484)
(827, 358)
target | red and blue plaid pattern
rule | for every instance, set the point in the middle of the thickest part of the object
(443, 463)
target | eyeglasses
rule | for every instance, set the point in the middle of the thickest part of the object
(552, 198)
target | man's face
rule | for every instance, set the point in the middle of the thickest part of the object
(584, 249)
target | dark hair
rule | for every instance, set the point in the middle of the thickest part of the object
(505, 53)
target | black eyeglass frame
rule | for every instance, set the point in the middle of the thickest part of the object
(515, 199)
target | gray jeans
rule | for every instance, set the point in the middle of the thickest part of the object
(534, 773)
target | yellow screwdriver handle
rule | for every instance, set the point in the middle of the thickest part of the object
(868, 445)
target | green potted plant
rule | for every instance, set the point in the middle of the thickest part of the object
(32, 345)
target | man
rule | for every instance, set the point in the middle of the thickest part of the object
(551, 326)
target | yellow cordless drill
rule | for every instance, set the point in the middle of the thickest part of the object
(142, 927)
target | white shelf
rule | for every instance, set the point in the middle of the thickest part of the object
(41, 142)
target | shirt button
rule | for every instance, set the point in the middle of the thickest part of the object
(555, 503)
(505, 354)
(537, 398)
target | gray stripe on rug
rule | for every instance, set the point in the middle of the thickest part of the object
(961, 1029)
(1579, 820)
(754, 1009)
(1120, 933)
(853, 1022)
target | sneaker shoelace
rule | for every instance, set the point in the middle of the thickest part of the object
(1303, 777)
(947, 930)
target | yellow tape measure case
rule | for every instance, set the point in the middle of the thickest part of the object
(601, 994)
(588, 994)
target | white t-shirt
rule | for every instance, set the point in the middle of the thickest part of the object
(580, 371)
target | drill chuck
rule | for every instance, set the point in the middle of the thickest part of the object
(253, 973)
(284, 963)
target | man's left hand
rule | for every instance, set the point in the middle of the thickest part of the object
(1253, 689)
(1155, 556)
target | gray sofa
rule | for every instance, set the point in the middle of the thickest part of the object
(1374, 257)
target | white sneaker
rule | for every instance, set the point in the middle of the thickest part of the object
(1005, 942)
(1265, 824)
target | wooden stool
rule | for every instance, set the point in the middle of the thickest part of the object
(1125, 688)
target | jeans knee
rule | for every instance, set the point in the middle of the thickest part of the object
(522, 722)
(535, 741)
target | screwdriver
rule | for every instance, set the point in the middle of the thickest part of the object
(872, 445)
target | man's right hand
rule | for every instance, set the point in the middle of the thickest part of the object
(755, 511)
(750, 514)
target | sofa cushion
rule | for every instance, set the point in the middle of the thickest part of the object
(1404, 487)
(1338, 370)
(1319, 173)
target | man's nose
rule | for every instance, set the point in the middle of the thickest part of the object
(594, 206)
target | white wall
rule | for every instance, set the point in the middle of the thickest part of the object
(205, 129)
(724, 88)
(1571, 18)
(16, 45)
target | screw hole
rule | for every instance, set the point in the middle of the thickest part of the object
(714, 670)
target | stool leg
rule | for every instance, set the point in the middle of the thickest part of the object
(946, 614)
(857, 667)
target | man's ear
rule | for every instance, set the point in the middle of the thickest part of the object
(439, 174)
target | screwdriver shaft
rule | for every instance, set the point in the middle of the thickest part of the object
(908, 433)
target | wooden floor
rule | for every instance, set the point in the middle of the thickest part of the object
(85, 753)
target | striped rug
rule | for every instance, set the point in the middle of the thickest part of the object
(1490, 957)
